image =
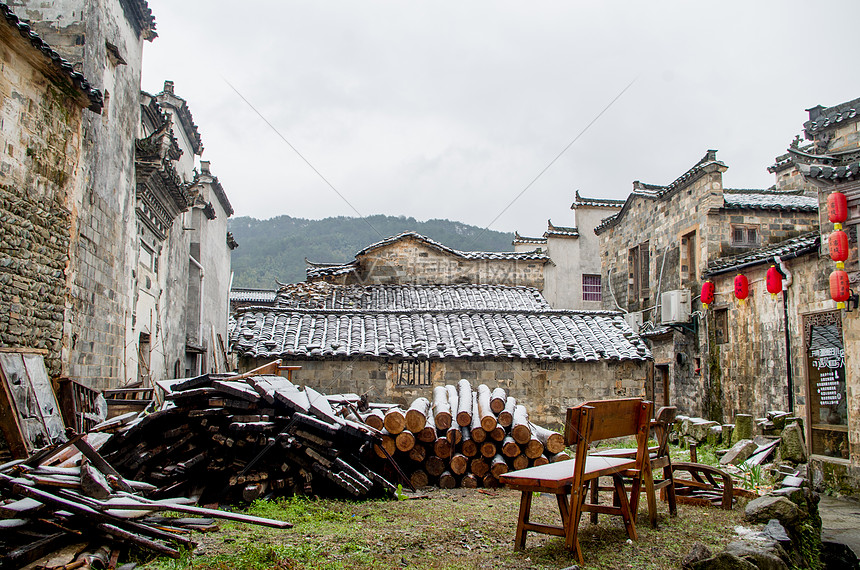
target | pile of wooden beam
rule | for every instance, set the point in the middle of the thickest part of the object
(44, 507)
(240, 438)
(464, 437)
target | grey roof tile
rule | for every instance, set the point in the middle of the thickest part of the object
(559, 231)
(245, 295)
(518, 239)
(790, 247)
(830, 117)
(582, 201)
(769, 200)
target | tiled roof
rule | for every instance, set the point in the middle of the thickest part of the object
(785, 249)
(329, 270)
(63, 66)
(490, 255)
(559, 231)
(822, 118)
(580, 201)
(793, 200)
(321, 295)
(518, 239)
(824, 172)
(180, 105)
(540, 335)
(242, 295)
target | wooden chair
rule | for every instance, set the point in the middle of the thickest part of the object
(586, 423)
(660, 460)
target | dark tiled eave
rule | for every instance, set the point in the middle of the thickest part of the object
(787, 249)
(581, 201)
(96, 102)
(831, 117)
(746, 199)
(524, 240)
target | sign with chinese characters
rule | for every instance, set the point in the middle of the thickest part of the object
(827, 376)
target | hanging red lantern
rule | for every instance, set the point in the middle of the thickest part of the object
(742, 287)
(708, 290)
(838, 243)
(837, 208)
(774, 281)
(840, 289)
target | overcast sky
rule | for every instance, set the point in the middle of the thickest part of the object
(443, 109)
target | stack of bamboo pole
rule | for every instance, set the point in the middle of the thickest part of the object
(464, 437)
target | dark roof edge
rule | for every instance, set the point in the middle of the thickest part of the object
(764, 260)
(544, 312)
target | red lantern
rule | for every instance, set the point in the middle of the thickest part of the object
(707, 293)
(774, 281)
(838, 242)
(839, 287)
(837, 208)
(742, 287)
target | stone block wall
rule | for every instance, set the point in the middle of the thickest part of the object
(410, 261)
(773, 227)
(546, 388)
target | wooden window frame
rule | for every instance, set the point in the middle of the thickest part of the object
(746, 228)
(410, 372)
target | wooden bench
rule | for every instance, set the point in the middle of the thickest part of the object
(586, 423)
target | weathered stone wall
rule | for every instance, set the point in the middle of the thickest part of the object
(40, 147)
(410, 261)
(98, 324)
(686, 384)
(547, 389)
(773, 227)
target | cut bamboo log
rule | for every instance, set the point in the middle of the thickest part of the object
(468, 446)
(443, 448)
(447, 480)
(464, 403)
(419, 478)
(552, 441)
(510, 448)
(416, 415)
(428, 434)
(520, 429)
(395, 421)
(459, 464)
(506, 416)
(497, 400)
(559, 457)
(520, 462)
(488, 449)
(488, 419)
(442, 407)
(479, 466)
(405, 441)
(498, 466)
(418, 453)
(434, 465)
(478, 433)
(469, 481)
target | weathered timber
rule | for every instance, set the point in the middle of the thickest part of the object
(434, 465)
(240, 390)
(404, 441)
(488, 419)
(534, 448)
(442, 447)
(375, 419)
(552, 441)
(498, 466)
(468, 446)
(497, 400)
(469, 481)
(488, 449)
(254, 491)
(416, 415)
(498, 434)
(538, 461)
(479, 466)
(428, 434)
(510, 448)
(418, 453)
(506, 416)
(454, 435)
(559, 457)
(520, 428)
(478, 433)
(441, 408)
(520, 462)
(395, 421)
(447, 480)
(459, 463)
(464, 403)
(490, 481)
(93, 482)
(419, 478)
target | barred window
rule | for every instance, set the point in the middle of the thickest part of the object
(591, 288)
(413, 373)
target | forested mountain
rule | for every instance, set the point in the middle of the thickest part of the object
(275, 249)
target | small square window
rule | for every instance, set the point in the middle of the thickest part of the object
(745, 236)
(412, 373)
(591, 288)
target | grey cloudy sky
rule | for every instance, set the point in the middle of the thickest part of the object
(443, 109)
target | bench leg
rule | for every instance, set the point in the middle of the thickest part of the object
(670, 490)
(626, 513)
(650, 494)
(595, 498)
(525, 508)
(571, 537)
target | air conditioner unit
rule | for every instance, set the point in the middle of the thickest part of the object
(635, 320)
(675, 306)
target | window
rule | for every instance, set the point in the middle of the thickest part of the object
(412, 373)
(638, 276)
(591, 290)
(744, 235)
(721, 325)
(688, 257)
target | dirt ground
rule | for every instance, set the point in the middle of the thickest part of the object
(459, 528)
